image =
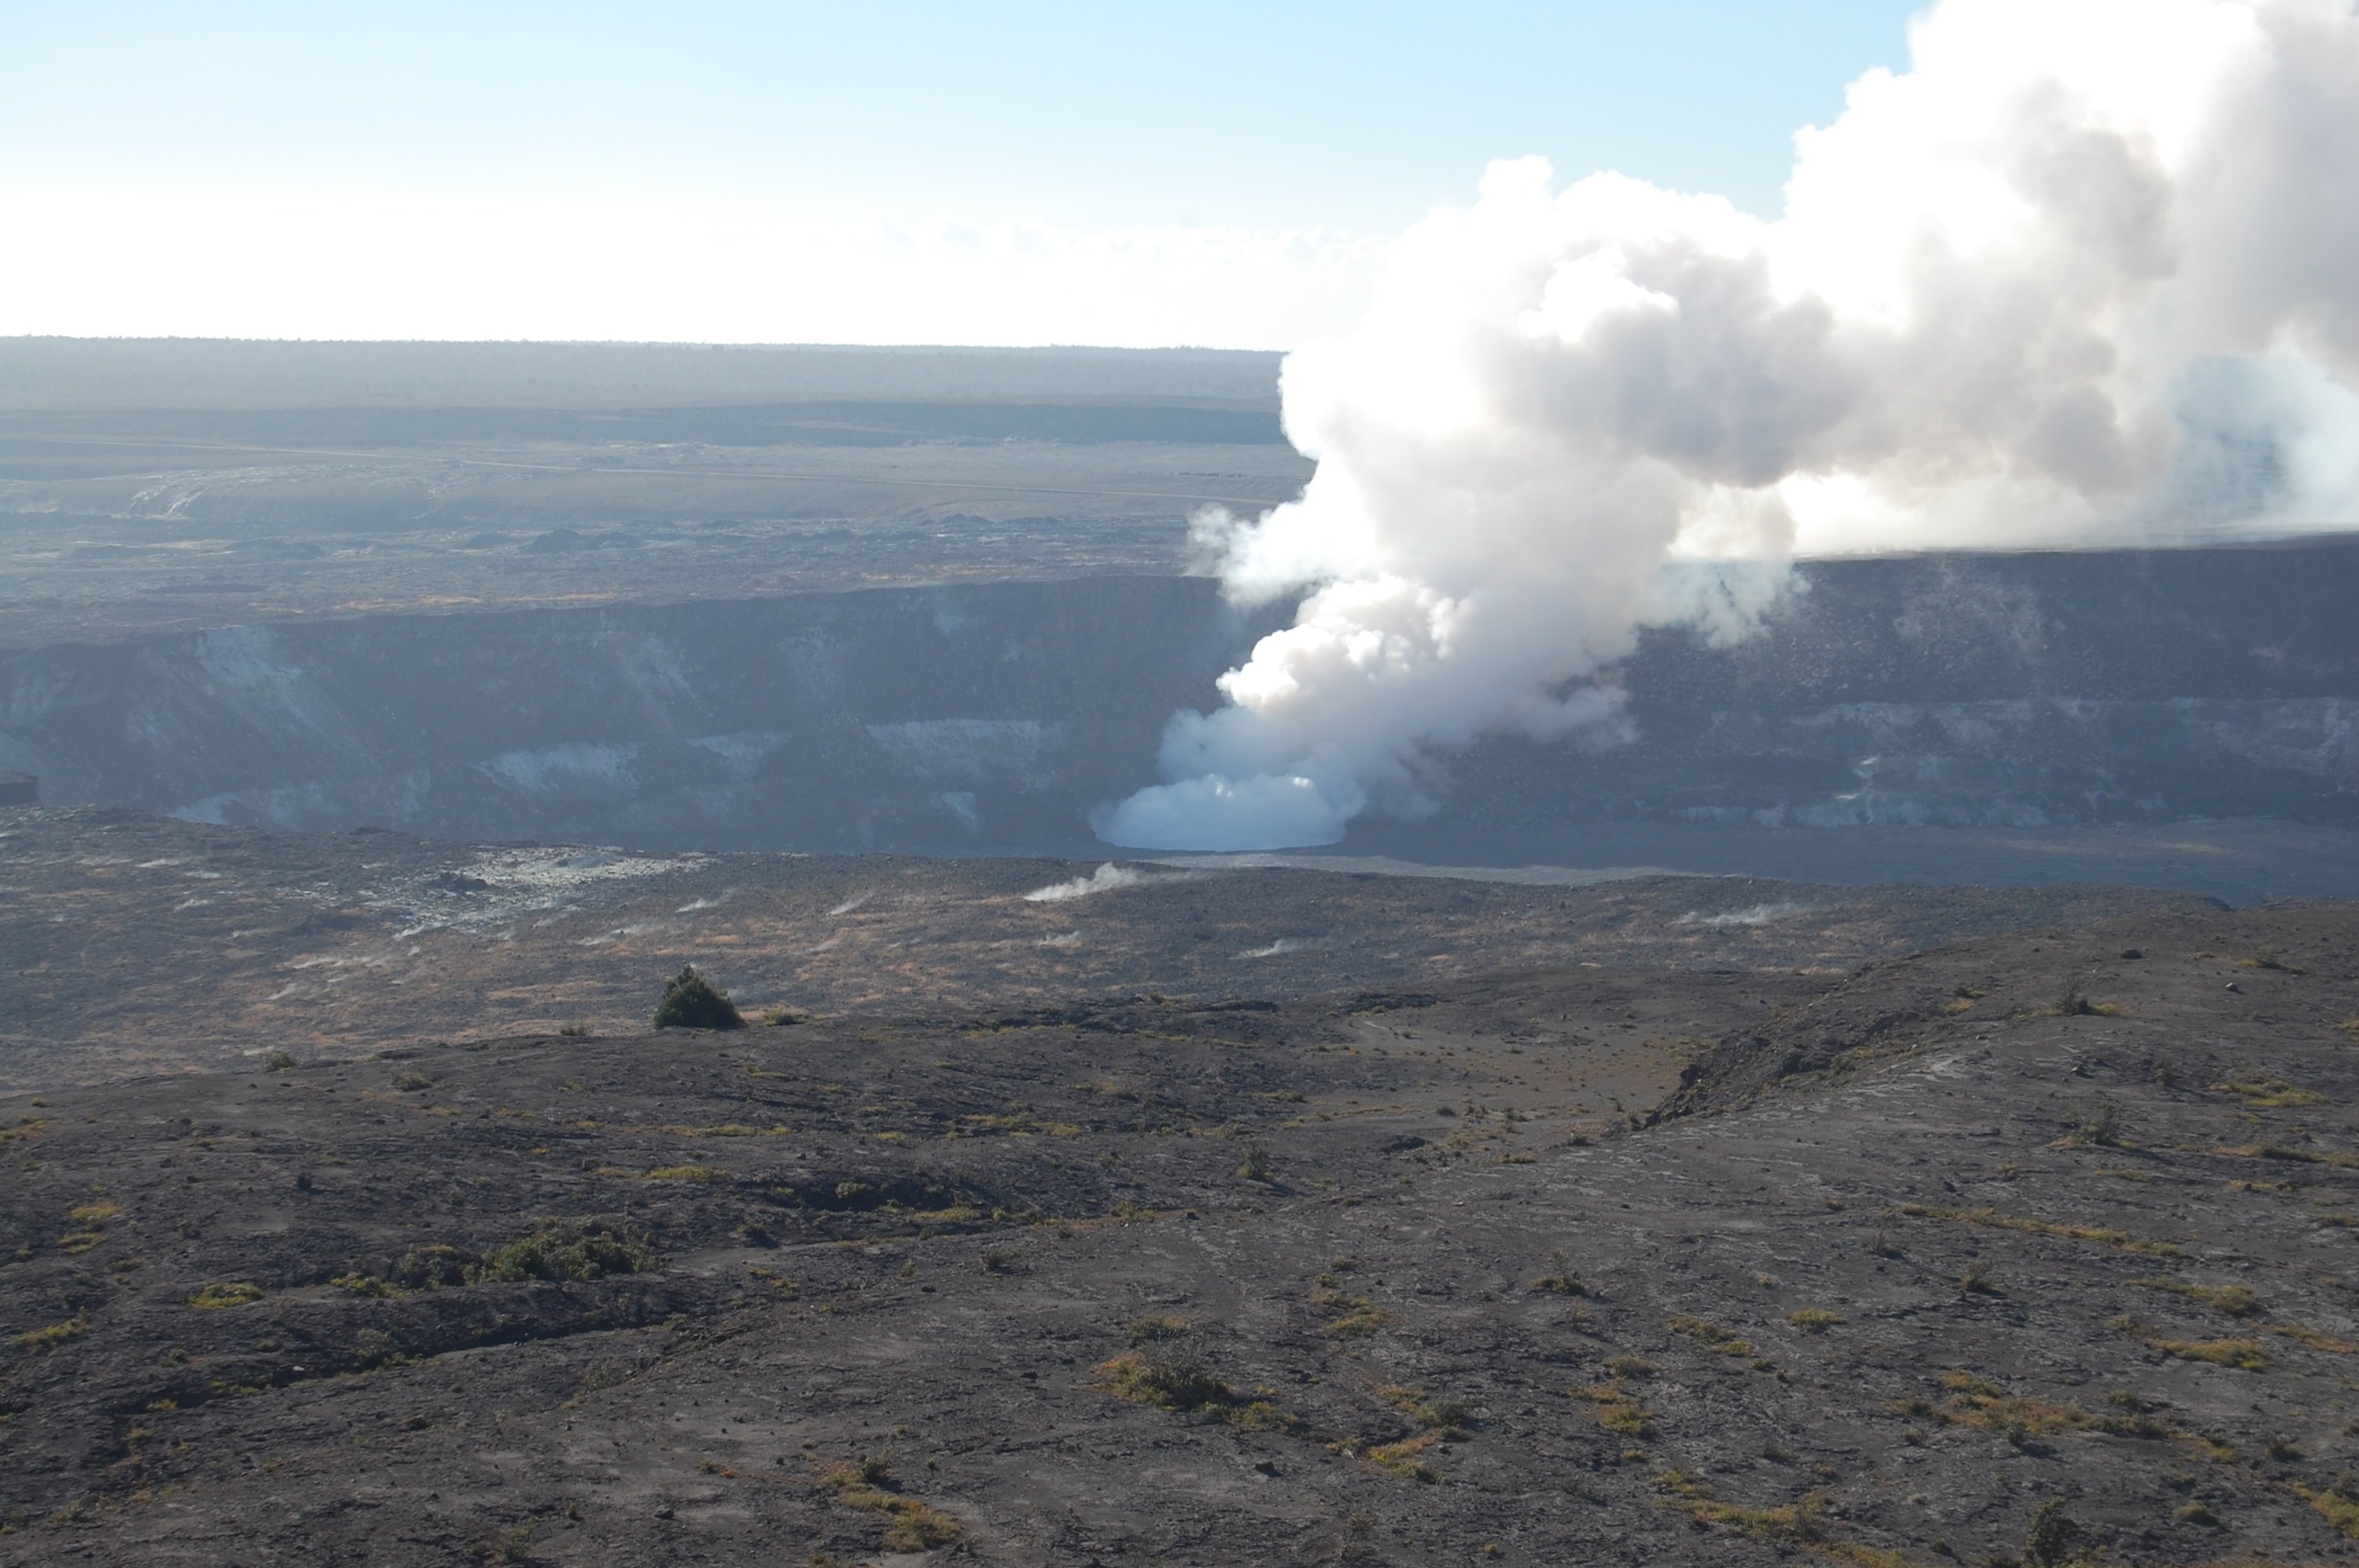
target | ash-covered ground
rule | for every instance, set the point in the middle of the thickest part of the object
(249, 941)
(1634, 1263)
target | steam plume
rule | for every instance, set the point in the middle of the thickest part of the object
(2089, 269)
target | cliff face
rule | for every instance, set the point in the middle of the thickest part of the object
(2007, 691)
(1991, 690)
(984, 717)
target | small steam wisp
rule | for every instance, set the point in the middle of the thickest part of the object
(2087, 271)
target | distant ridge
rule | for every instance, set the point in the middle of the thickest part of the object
(63, 373)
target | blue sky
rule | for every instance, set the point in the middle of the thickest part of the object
(233, 122)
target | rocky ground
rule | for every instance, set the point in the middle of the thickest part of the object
(242, 942)
(1567, 1264)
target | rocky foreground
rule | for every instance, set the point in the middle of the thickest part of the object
(1565, 1265)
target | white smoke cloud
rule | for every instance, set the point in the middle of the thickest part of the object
(2088, 270)
(1106, 879)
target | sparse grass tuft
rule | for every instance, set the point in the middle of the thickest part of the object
(1816, 1320)
(1359, 1316)
(1440, 1413)
(2234, 1299)
(509, 1546)
(1149, 1328)
(1560, 1280)
(1704, 1332)
(704, 1173)
(868, 1485)
(1168, 1381)
(2269, 1093)
(1403, 1459)
(53, 1335)
(2299, 1156)
(2338, 1505)
(2316, 1339)
(2246, 1354)
(1991, 1217)
(226, 1293)
(1618, 1408)
(1979, 1403)
(1795, 1522)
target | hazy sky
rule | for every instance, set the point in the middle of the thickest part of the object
(1216, 172)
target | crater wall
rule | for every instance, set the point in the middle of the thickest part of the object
(2026, 691)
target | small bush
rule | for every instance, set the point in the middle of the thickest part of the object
(560, 1249)
(278, 1061)
(2053, 1539)
(1169, 1381)
(1560, 1281)
(431, 1268)
(567, 1250)
(1255, 1165)
(691, 1001)
(2101, 1127)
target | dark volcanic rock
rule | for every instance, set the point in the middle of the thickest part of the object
(2022, 1222)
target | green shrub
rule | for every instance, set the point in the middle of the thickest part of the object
(2053, 1538)
(559, 1249)
(691, 1001)
(566, 1249)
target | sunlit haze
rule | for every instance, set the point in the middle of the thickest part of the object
(1219, 174)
